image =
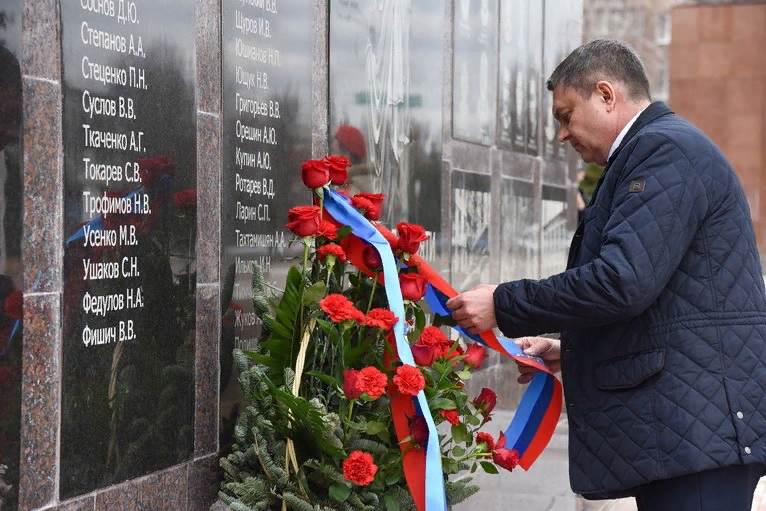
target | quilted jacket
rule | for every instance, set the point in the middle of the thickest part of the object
(662, 316)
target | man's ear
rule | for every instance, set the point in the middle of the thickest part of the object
(607, 94)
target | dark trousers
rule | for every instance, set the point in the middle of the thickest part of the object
(723, 489)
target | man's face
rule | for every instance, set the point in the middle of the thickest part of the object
(587, 123)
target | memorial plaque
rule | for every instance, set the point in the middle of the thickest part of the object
(129, 314)
(556, 232)
(474, 73)
(470, 229)
(536, 84)
(514, 99)
(11, 266)
(520, 231)
(266, 123)
(386, 68)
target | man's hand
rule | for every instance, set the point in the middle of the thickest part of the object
(474, 310)
(547, 349)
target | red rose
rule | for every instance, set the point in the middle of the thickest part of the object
(451, 416)
(327, 229)
(508, 459)
(151, 170)
(350, 376)
(409, 380)
(410, 237)
(361, 203)
(413, 286)
(418, 429)
(372, 381)
(475, 355)
(13, 305)
(424, 355)
(340, 308)
(186, 200)
(303, 220)
(371, 258)
(486, 438)
(435, 339)
(381, 318)
(315, 173)
(331, 249)
(485, 402)
(338, 166)
(359, 468)
(376, 202)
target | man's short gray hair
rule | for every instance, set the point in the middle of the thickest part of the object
(602, 59)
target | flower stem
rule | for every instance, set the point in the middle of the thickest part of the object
(372, 294)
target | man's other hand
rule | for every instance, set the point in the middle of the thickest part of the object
(547, 349)
(474, 310)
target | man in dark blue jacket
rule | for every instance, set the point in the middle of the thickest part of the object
(661, 310)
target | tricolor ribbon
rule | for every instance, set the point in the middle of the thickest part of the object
(536, 416)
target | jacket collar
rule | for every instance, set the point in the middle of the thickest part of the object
(650, 113)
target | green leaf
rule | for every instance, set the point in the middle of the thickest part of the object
(460, 434)
(393, 477)
(464, 375)
(474, 467)
(458, 451)
(343, 232)
(442, 403)
(314, 293)
(471, 420)
(329, 380)
(489, 468)
(385, 436)
(339, 492)
(420, 318)
(391, 503)
(374, 427)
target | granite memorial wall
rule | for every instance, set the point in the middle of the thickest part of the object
(155, 147)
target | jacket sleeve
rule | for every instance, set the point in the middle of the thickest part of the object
(643, 242)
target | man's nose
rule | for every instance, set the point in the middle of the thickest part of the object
(563, 134)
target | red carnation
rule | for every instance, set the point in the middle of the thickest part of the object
(359, 468)
(409, 380)
(376, 202)
(186, 200)
(327, 229)
(381, 318)
(413, 286)
(151, 170)
(303, 220)
(424, 355)
(451, 416)
(485, 402)
(14, 305)
(418, 429)
(331, 249)
(475, 355)
(338, 166)
(361, 203)
(435, 339)
(340, 308)
(315, 173)
(486, 438)
(506, 458)
(371, 258)
(350, 376)
(410, 237)
(372, 381)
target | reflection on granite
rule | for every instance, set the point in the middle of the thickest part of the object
(42, 186)
(203, 483)
(320, 104)
(209, 56)
(40, 400)
(208, 198)
(130, 260)
(162, 491)
(84, 504)
(41, 40)
(471, 206)
(207, 371)
(520, 231)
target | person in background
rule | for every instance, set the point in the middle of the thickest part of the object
(662, 309)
